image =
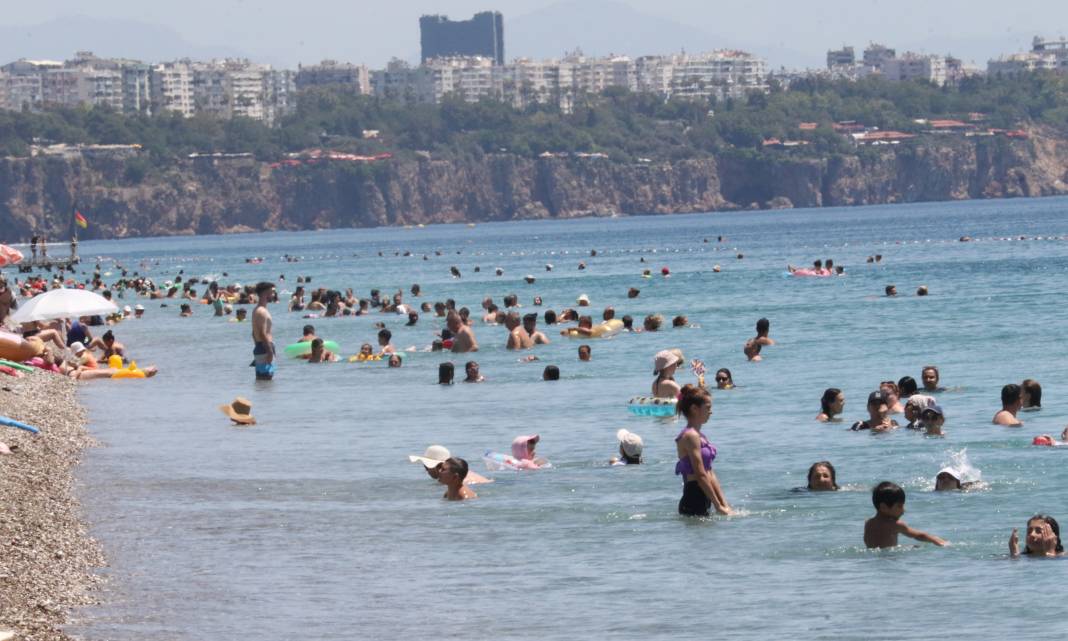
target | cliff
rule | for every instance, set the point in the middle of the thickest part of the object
(204, 196)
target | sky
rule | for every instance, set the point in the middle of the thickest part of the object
(791, 33)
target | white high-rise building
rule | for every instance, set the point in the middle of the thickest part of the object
(172, 87)
(912, 66)
(719, 74)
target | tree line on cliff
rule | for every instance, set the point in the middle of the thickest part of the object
(624, 125)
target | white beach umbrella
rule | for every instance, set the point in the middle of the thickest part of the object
(63, 303)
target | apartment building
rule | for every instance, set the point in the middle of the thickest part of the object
(330, 73)
(911, 66)
(719, 74)
(171, 87)
(137, 89)
(1045, 55)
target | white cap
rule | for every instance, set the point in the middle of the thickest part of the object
(630, 442)
(127, 310)
(583, 298)
(139, 307)
(433, 455)
(78, 347)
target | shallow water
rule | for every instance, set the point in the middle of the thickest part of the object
(313, 524)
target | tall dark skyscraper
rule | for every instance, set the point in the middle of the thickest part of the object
(482, 35)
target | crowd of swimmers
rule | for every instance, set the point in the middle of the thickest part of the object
(77, 351)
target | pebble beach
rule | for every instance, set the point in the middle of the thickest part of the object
(47, 558)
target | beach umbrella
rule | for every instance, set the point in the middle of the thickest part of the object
(63, 303)
(9, 256)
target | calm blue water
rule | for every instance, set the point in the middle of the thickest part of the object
(313, 524)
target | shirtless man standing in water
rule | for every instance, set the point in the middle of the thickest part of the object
(262, 339)
(518, 338)
(463, 339)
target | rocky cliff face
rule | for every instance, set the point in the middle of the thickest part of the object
(222, 196)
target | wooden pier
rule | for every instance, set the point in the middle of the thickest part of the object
(48, 256)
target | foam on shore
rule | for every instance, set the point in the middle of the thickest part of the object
(47, 558)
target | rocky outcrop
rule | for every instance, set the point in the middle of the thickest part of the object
(205, 196)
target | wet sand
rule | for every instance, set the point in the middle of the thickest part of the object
(47, 558)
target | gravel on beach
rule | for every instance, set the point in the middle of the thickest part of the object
(47, 558)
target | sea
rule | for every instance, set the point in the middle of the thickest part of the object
(313, 524)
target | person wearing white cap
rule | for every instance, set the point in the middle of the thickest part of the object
(127, 311)
(432, 460)
(583, 301)
(139, 310)
(630, 448)
(85, 357)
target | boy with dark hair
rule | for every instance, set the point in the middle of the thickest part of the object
(1011, 402)
(451, 474)
(384, 338)
(881, 530)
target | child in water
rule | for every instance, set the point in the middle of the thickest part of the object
(630, 449)
(881, 530)
(523, 452)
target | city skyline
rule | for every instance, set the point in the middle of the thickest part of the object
(973, 31)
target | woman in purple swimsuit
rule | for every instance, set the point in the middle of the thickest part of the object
(701, 489)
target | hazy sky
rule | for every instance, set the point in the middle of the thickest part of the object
(793, 32)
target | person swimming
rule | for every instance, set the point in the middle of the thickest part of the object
(832, 403)
(664, 365)
(630, 448)
(1043, 538)
(822, 477)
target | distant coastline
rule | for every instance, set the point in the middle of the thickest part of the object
(218, 195)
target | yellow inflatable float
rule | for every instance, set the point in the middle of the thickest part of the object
(600, 330)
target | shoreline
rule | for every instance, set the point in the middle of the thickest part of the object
(48, 560)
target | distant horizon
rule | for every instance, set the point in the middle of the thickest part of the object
(537, 29)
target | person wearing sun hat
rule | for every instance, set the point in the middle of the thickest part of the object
(583, 301)
(630, 448)
(664, 364)
(435, 456)
(239, 411)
